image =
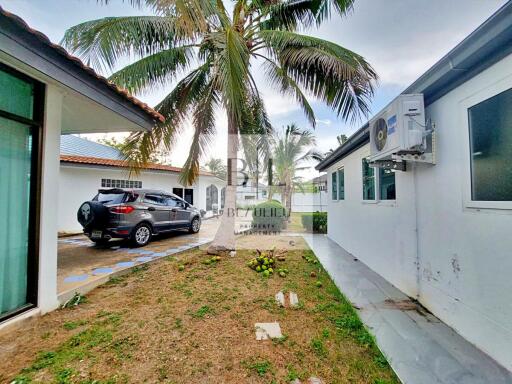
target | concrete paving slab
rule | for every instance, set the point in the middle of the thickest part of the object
(265, 331)
(421, 349)
(280, 298)
(294, 299)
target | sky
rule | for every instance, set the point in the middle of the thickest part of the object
(401, 39)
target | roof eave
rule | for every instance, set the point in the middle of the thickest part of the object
(32, 47)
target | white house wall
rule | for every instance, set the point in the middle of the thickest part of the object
(459, 263)
(465, 253)
(78, 184)
(382, 234)
(47, 290)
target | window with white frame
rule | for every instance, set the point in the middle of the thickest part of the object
(115, 183)
(378, 184)
(341, 184)
(490, 139)
(334, 185)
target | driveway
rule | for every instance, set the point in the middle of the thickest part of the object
(82, 264)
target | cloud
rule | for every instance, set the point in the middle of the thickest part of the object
(325, 122)
(403, 38)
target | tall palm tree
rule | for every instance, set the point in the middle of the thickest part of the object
(213, 50)
(292, 149)
(217, 167)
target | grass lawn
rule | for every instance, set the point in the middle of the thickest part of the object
(295, 224)
(162, 325)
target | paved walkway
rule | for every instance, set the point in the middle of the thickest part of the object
(421, 348)
(82, 265)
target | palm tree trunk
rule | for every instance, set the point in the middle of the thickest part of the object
(288, 193)
(225, 237)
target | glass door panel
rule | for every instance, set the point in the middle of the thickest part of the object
(15, 175)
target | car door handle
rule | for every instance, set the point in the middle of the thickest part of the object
(151, 209)
(174, 210)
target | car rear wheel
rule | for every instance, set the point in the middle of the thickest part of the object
(195, 225)
(141, 235)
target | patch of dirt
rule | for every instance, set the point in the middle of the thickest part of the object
(162, 325)
(406, 305)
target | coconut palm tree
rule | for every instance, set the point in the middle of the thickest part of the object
(213, 50)
(291, 150)
(216, 167)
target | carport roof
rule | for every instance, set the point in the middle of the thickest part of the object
(13, 26)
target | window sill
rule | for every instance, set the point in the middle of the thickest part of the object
(489, 205)
(387, 203)
(383, 203)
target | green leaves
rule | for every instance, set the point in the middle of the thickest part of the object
(280, 79)
(333, 74)
(163, 47)
(232, 64)
(101, 43)
(156, 70)
(289, 15)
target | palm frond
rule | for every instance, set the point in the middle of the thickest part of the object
(289, 15)
(155, 70)
(233, 72)
(101, 43)
(175, 108)
(204, 131)
(286, 85)
(333, 74)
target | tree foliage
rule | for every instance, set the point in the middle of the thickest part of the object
(209, 54)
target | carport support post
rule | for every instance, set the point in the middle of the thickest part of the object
(47, 294)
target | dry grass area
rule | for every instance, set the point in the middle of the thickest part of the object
(160, 324)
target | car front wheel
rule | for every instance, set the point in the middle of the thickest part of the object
(195, 225)
(141, 235)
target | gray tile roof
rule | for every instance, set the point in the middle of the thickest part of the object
(77, 146)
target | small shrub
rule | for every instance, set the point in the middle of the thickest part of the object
(268, 216)
(318, 347)
(315, 222)
(76, 300)
(259, 367)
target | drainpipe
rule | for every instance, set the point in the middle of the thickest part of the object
(416, 233)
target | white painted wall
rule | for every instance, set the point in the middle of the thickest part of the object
(308, 201)
(459, 264)
(47, 290)
(81, 183)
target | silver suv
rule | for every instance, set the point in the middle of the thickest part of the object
(135, 214)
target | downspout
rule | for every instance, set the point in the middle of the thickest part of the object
(416, 234)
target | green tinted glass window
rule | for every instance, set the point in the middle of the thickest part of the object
(334, 186)
(341, 184)
(387, 184)
(368, 181)
(490, 132)
(16, 95)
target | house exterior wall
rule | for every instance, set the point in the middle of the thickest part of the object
(431, 242)
(85, 182)
(47, 290)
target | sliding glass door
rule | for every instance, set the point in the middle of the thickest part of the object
(20, 131)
